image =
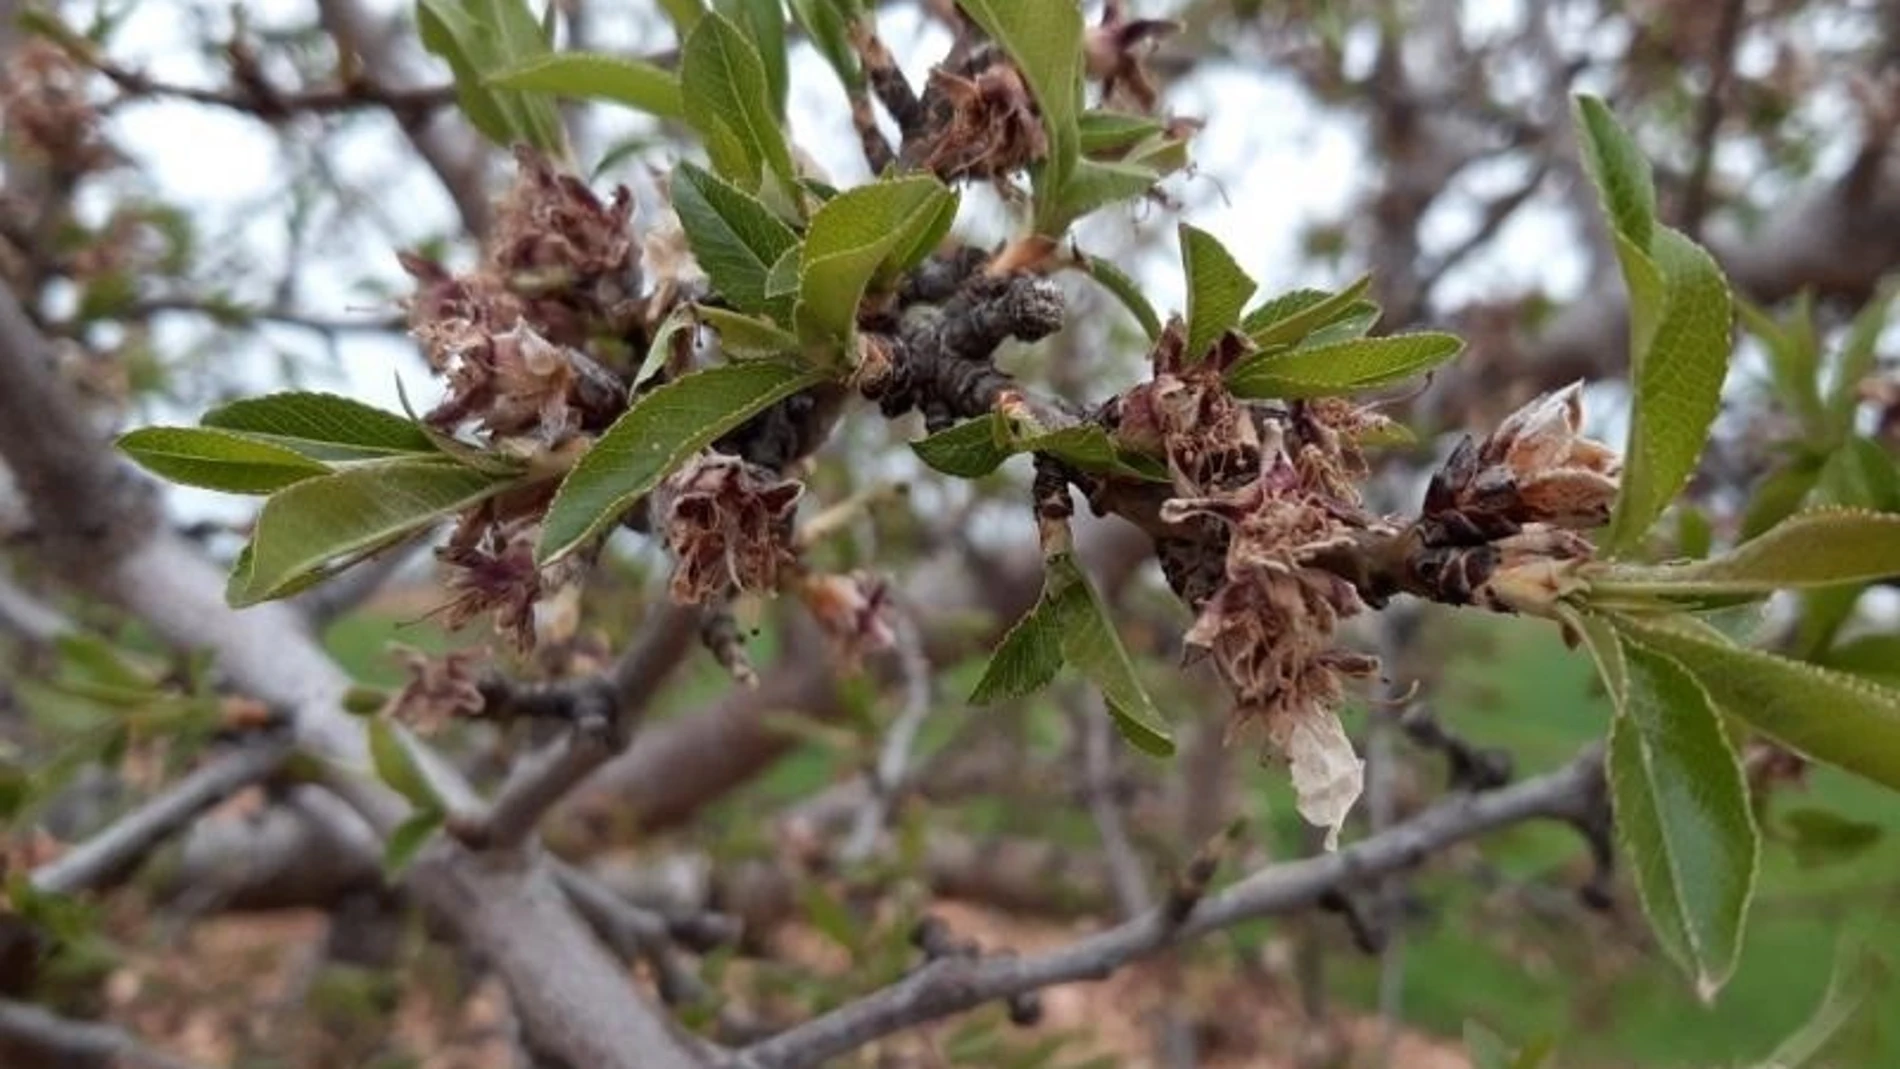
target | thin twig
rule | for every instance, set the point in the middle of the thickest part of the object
(602, 713)
(886, 780)
(125, 841)
(953, 985)
(1097, 729)
(1695, 198)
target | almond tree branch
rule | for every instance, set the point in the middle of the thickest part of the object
(94, 527)
(602, 712)
(112, 852)
(952, 985)
(41, 1038)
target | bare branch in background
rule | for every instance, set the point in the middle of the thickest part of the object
(36, 1037)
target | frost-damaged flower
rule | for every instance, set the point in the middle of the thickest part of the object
(1270, 627)
(983, 122)
(1186, 414)
(492, 568)
(439, 690)
(1535, 468)
(728, 523)
(668, 259)
(853, 610)
(571, 257)
(1115, 49)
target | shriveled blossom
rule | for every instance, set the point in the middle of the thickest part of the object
(983, 123)
(568, 254)
(1115, 50)
(439, 690)
(728, 523)
(492, 569)
(853, 610)
(532, 379)
(1269, 627)
(1536, 467)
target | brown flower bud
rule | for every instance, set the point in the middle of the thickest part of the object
(1535, 468)
(439, 690)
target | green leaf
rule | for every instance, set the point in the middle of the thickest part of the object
(734, 236)
(408, 840)
(1858, 358)
(654, 436)
(1828, 715)
(598, 76)
(1779, 494)
(1027, 658)
(478, 36)
(729, 101)
(763, 22)
(1794, 359)
(1876, 657)
(217, 460)
(1092, 184)
(323, 426)
(1217, 289)
(1101, 131)
(1682, 812)
(1818, 548)
(746, 336)
(1620, 171)
(397, 767)
(828, 26)
(1681, 313)
(1858, 976)
(1091, 644)
(1044, 40)
(1344, 367)
(1128, 291)
(854, 238)
(977, 447)
(1819, 837)
(1290, 317)
(666, 337)
(317, 521)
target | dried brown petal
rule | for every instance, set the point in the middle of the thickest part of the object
(440, 689)
(982, 124)
(728, 523)
(854, 612)
(1328, 776)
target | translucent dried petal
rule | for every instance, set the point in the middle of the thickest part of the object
(1328, 776)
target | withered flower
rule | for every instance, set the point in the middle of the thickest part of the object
(1115, 50)
(531, 381)
(492, 568)
(728, 523)
(1186, 414)
(982, 122)
(1535, 468)
(439, 690)
(854, 612)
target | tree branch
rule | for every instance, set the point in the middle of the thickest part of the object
(108, 855)
(37, 1037)
(953, 985)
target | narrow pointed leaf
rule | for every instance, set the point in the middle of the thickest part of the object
(397, 766)
(1091, 643)
(1858, 976)
(977, 447)
(1106, 131)
(728, 100)
(1128, 291)
(1620, 171)
(597, 76)
(408, 840)
(1876, 657)
(747, 336)
(1217, 289)
(1831, 716)
(735, 238)
(1819, 548)
(1341, 367)
(851, 240)
(1045, 41)
(1290, 317)
(1026, 660)
(218, 460)
(318, 521)
(323, 426)
(828, 26)
(654, 436)
(763, 23)
(1682, 813)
